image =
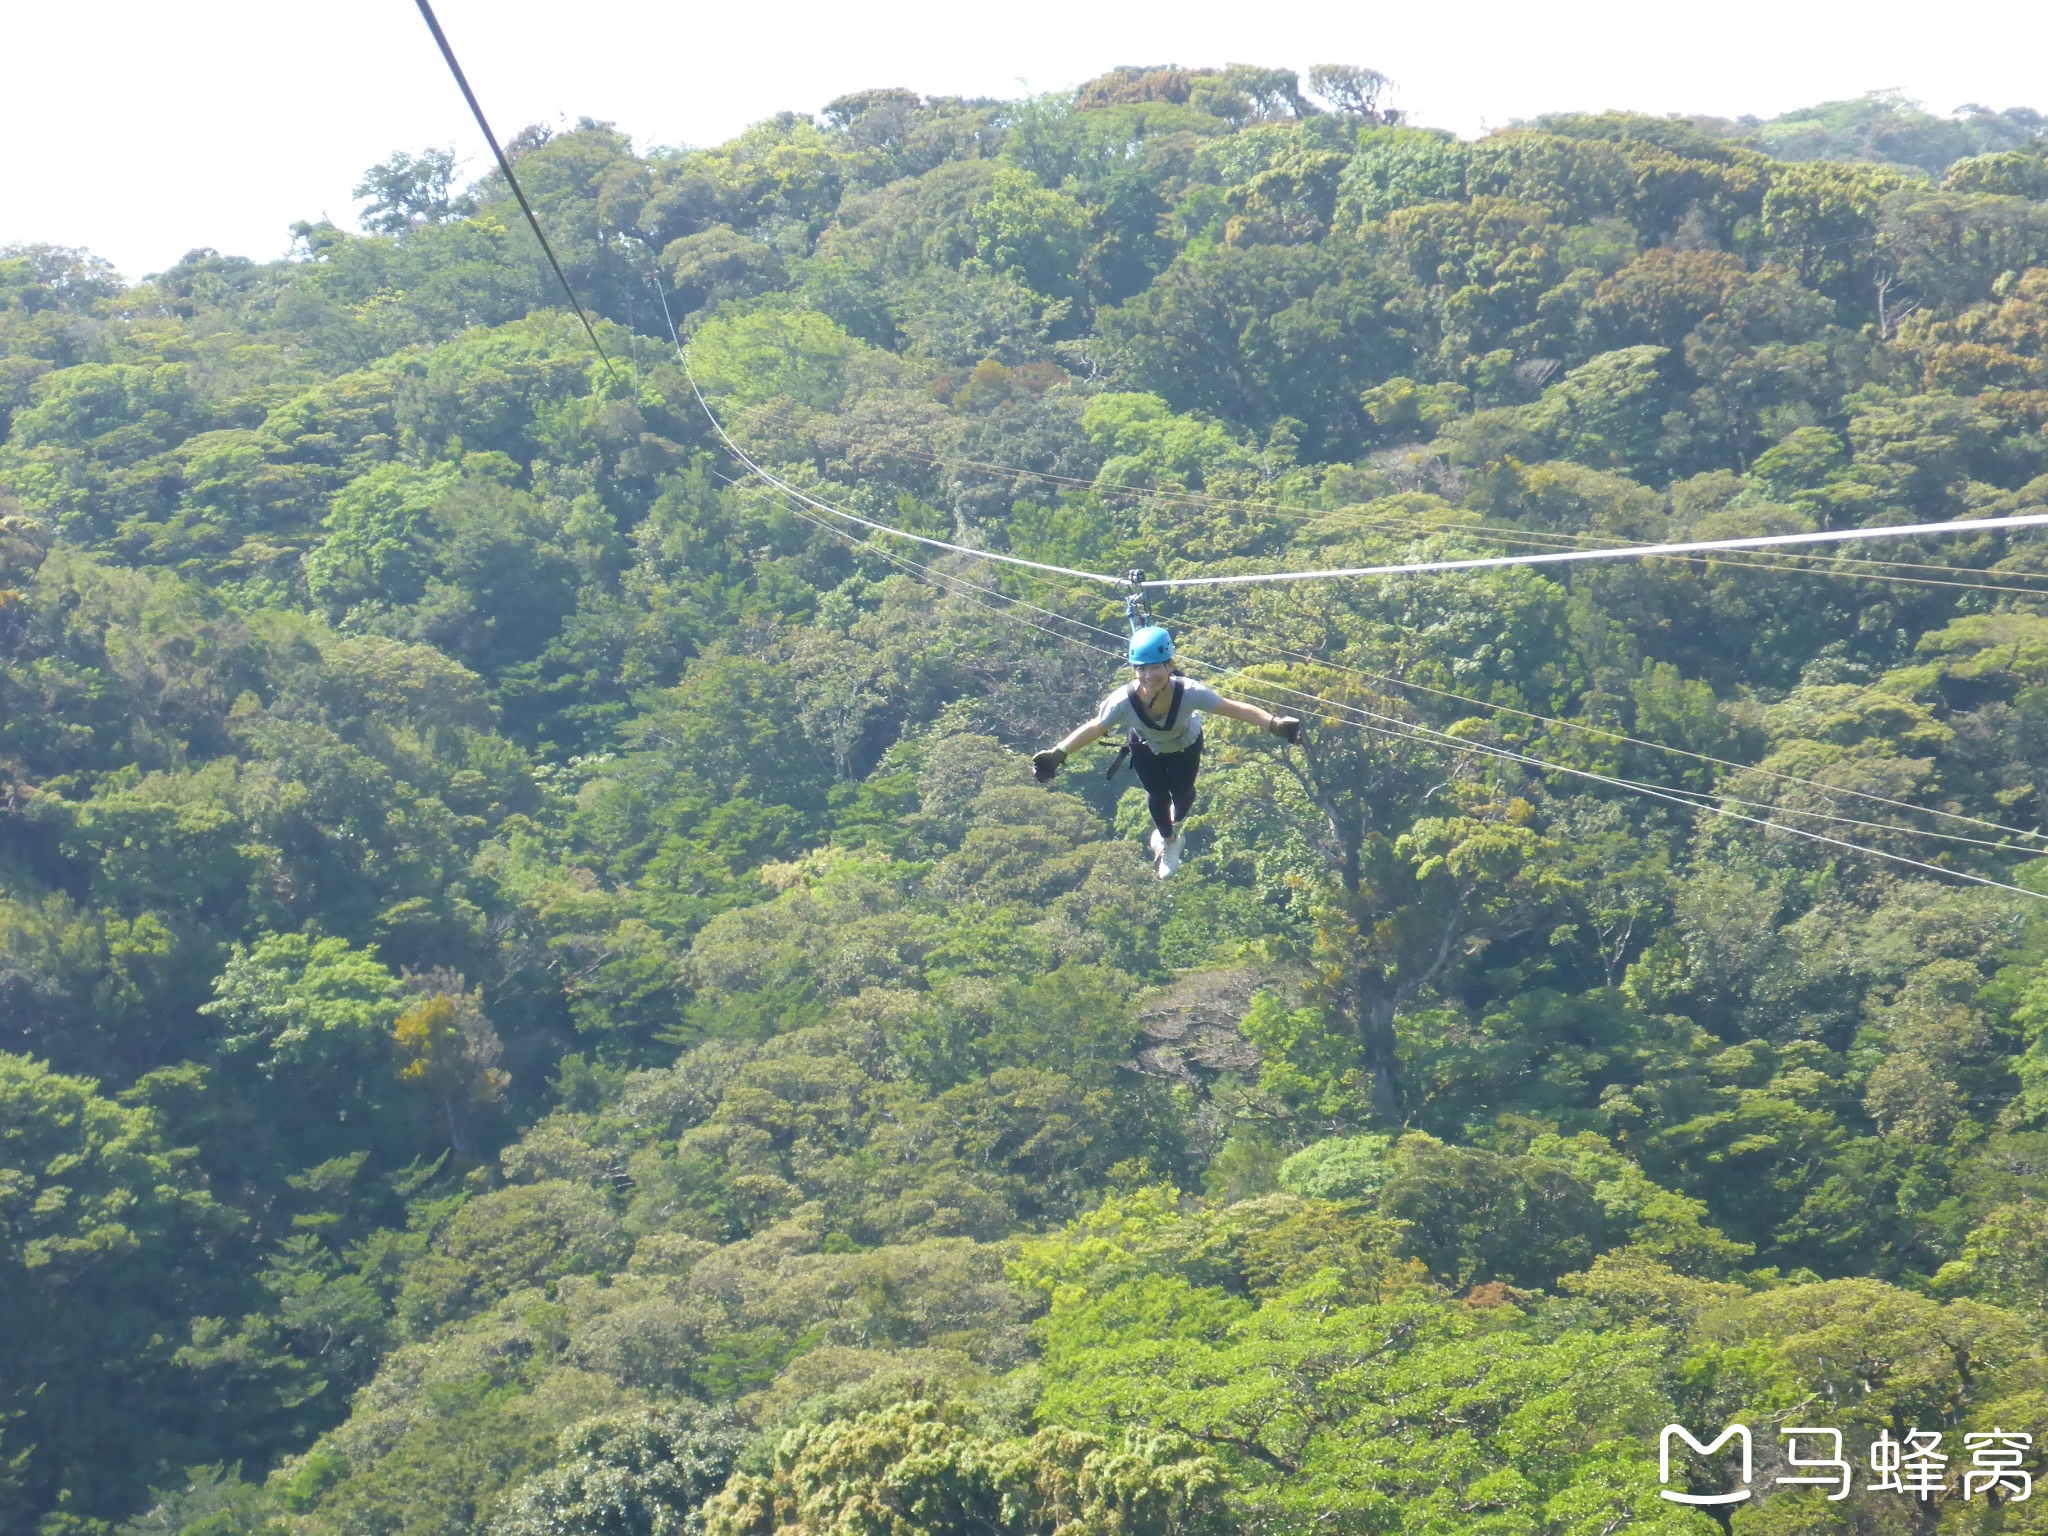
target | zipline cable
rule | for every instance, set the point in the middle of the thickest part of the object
(505, 165)
(1625, 552)
(1357, 517)
(1413, 568)
(1393, 524)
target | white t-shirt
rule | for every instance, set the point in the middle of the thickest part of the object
(1176, 729)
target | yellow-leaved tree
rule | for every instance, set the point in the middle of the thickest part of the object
(448, 1050)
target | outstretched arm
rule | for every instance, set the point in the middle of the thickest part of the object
(1047, 763)
(1082, 735)
(1251, 714)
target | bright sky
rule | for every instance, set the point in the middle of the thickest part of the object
(142, 129)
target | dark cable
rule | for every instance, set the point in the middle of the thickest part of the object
(505, 165)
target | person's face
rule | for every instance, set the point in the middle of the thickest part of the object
(1152, 676)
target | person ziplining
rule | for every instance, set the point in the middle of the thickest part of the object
(1161, 712)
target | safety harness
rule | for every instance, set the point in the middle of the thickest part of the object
(1134, 740)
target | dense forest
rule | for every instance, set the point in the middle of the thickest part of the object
(538, 993)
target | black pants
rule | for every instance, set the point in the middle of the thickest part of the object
(1169, 780)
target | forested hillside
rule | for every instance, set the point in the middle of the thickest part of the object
(538, 993)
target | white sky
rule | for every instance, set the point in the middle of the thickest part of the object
(141, 130)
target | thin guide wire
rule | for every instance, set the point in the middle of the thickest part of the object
(505, 165)
(1626, 552)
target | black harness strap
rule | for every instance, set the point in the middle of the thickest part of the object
(1172, 710)
(1134, 739)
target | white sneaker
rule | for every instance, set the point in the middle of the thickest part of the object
(1158, 843)
(1169, 856)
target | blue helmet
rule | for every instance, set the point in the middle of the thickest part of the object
(1151, 644)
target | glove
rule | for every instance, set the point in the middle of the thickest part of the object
(1288, 727)
(1047, 763)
